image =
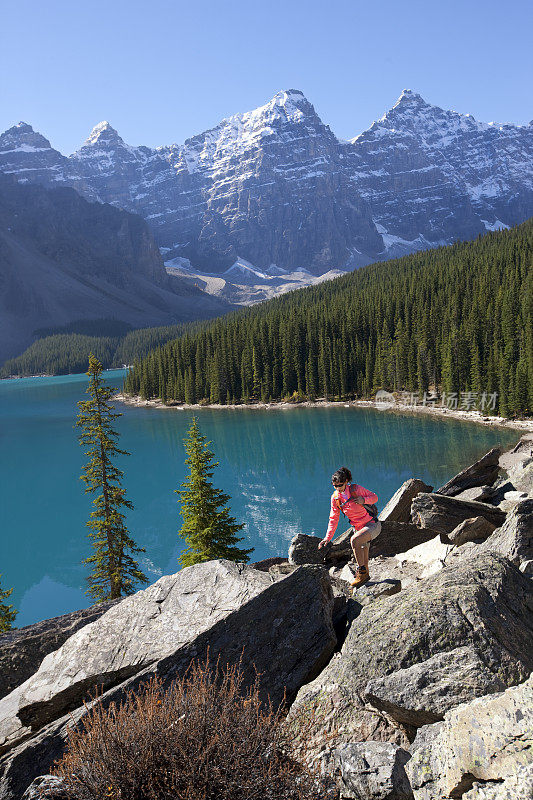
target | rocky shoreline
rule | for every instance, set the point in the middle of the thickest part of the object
(418, 684)
(525, 424)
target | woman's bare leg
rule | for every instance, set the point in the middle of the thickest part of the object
(358, 540)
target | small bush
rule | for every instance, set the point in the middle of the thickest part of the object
(204, 738)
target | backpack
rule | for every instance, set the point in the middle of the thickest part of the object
(370, 507)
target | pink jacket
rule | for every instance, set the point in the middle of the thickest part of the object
(356, 513)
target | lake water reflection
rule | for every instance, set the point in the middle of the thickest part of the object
(276, 465)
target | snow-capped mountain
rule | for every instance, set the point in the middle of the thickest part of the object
(275, 186)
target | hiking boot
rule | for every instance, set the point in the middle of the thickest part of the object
(361, 577)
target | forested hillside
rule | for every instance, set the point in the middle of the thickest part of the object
(457, 318)
(66, 353)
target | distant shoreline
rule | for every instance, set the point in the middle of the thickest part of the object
(403, 408)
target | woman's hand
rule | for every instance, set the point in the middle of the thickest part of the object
(323, 543)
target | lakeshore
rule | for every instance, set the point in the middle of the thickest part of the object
(525, 425)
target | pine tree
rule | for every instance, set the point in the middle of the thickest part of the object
(114, 570)
(7, 613)
(208, 528)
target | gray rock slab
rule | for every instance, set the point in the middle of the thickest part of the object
(489, 740)
(514, 539)
(23, 649)
(443, 514)
(288, 636)
(482, 603)
(398, 509)
(421, 694)
(482, 472)
(372, 771)
(483, 494)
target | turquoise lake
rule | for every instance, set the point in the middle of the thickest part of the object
(275, 464)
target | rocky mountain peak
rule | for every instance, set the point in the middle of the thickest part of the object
(23, 137)
(289, 104)
(103, 134)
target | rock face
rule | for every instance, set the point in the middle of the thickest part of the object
(419, 177)
(398, 509)
(444, 514)
(477, 611)
(372, 771)
(484, 471)
(160, 629)
(23, 649)
(484, 741)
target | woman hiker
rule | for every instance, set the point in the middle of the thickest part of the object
(349, 498)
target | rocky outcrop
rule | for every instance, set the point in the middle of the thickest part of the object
(372, 771)
(398, 509)
(482, 472)
(160, 629)
(443, 514)
(485, 741)
(23, 649)
(477, 611)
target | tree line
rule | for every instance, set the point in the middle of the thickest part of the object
(455, 319)
(65, 353)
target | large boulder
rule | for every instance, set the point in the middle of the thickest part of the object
(398, 509)
(397, 537)
(489, 739)
(514, 539)
(518, 786)
(372, 771)
(475, 529)
(437, 681)
(482, 472)
(443, 514)
(303, 549)
(288, 638)
(481, 606)
(23, 649)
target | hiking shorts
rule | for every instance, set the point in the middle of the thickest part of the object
(373, 528)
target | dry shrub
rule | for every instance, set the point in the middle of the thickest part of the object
(204, 738)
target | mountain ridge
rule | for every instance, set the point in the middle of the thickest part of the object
(276, 185)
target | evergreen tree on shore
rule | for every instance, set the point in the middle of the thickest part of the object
(7, 612)
(208, 528)
(114, 570)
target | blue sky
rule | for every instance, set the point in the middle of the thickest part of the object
(163, 70)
